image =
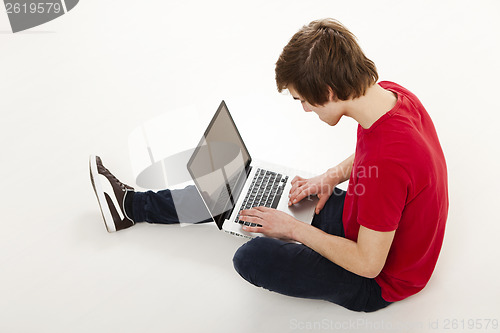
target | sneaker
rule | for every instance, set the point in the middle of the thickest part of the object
(110, 194)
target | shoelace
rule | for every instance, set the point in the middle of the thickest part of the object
(122, 186)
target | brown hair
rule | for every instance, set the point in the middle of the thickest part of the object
(323, 55)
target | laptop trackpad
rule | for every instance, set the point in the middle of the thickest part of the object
(302, 211)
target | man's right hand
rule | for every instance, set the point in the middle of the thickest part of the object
(322, 186)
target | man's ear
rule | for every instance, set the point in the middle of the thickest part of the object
(331, 95)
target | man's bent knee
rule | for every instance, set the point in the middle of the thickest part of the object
(252, 257)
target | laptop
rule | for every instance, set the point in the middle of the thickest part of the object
(229, 180)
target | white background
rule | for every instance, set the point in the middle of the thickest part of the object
(79, 85)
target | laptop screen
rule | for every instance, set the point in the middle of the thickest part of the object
(220, 164)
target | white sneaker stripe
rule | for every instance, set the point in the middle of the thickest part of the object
(106, 187)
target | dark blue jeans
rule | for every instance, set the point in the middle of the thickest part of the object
(159, 207)
(283, 267)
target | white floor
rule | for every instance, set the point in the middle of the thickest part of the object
(83, 83)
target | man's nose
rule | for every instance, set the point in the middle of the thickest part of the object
(306, 109)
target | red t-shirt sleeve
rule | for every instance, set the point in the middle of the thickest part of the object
(382, 187)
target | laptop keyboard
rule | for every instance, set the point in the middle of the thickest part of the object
(265, 190)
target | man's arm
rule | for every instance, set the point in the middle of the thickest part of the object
(341, 172)
(366, 257)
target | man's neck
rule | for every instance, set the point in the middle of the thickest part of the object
(367, 109)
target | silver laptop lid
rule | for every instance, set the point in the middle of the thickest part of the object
(220, 165)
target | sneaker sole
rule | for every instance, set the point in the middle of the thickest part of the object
(96, 184)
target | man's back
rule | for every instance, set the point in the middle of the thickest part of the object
(399, 182)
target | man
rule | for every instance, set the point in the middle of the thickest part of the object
(379, 241)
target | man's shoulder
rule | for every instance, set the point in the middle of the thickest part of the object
(402, 91)
(389, 85)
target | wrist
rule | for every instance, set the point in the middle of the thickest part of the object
(340, 173)
(296, 230)
(333, 176)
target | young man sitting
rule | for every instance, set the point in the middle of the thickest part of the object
(369, 246)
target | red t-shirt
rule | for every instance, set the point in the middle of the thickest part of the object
(399, 182)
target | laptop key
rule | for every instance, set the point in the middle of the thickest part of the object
(277, 197)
